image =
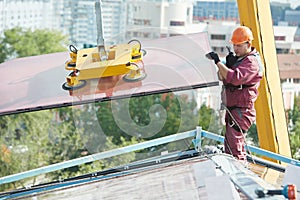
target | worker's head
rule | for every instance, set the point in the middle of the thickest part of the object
(241, 40)
(241, 35)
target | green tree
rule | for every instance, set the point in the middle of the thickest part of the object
(132, 117)
(294, 114)
(18, 42)
(209, 119)
(27, 142)
(3, 51)
(24, 136)
(294, 124)
(252, 135)
(295, 140)
(72, 132)
(78, 135)
(148, 117)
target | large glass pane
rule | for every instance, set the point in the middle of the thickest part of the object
(171, 64)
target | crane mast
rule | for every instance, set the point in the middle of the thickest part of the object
(271, 122)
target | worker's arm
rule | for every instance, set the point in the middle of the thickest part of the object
(223, 70)
(219, 76)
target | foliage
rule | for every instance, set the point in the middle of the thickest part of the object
(67, 133)
(295, 141)
(19, 42)
(252, 135)
(147, 118)
(76, 136)
(209, 119)
(129, 117)
(294, 114)
(72, 132)
(3, 51)
(24, 142)
(294, 117)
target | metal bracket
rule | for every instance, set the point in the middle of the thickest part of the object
(197, 140)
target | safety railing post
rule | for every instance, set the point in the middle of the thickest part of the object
(197, 139)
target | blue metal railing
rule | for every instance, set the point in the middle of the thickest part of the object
(197, 134)
(253, 149)
(97, 156)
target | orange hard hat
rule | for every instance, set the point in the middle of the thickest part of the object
(241, 35)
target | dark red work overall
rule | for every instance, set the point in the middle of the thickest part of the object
(238, 95)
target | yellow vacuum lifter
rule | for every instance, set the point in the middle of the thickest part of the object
(89, 64)
(98, 62)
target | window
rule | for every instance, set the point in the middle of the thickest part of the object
(280, 38)
(283, 51)
(174, 34)
(218, 37)
(147, 22)
(146, 35)
(296, 80)
(176, 23)
(163, 35)
(282, 81)
(297, 38)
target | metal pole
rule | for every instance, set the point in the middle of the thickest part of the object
(100, 38)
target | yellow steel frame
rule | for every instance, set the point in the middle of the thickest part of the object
(271, 120)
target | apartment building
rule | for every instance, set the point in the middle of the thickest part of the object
(287, 39)
(217, 10)
(292, 17)
(289, 70)
(228, 10)
(77, 18)
(171, 18)
(33, 14)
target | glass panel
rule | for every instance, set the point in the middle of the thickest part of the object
(171, 64)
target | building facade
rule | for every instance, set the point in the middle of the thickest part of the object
(77, 18)
(217, 10)
(289, 69)
(292, 17)
(33, 14)
(171, 18)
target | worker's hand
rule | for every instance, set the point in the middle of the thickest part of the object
(230, 60)
(213, 56)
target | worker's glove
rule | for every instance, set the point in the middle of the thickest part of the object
(230, 60)
(213, 56)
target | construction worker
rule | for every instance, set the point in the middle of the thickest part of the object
(241, 75)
